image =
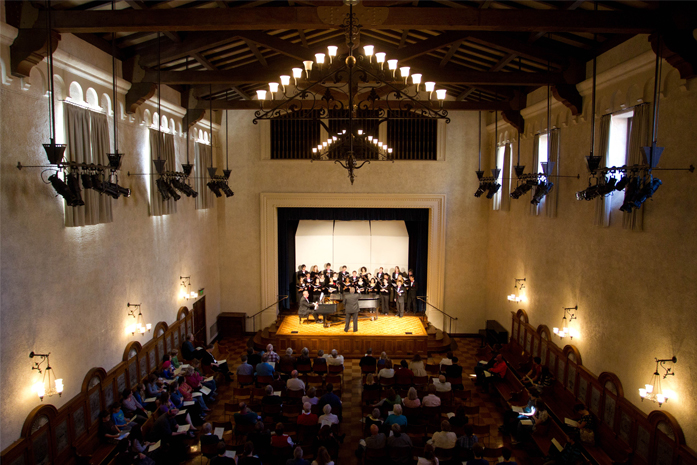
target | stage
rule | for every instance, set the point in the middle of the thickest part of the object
(399, 337)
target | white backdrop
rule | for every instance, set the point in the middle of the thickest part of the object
(352, 243)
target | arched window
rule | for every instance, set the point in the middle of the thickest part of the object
(75, 92)
(164, 126)
(92, 99)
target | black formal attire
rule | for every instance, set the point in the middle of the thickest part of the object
(302, 287)
(190, 353)
(208, 360)
(343, 275)
(399, 299)
(328, 274)
(360, 287)
(333, 289)
(301, 274)
(369, 361)
(384, 293)
(351, 309)
(305, 308)
(411, 296)
(379, 276)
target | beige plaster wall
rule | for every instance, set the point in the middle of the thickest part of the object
(465, 237)
(635, 290)
(64, 290)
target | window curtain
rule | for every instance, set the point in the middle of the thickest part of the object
(639, 137)
(202, 157)
(87, 134)
(535, 209)
(603, 203)
(552, 198)
(506, 180)
(159, 207)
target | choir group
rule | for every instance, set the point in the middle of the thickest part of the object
(396, 287)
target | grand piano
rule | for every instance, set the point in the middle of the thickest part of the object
(333, 308)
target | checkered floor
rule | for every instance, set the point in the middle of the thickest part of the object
(466, 351)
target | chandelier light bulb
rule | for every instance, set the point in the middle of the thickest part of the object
(334, 138)
(142, 330)
(555, 330)
(40, 390)
(324, 145)
(404, 71)
(389, 150)
(331, 51)
(649, 388)
(392, 65)
(59, 386)
(343, 131)
(261, 94)
(660, 398)
(440, 94)
(368, 50)
(370, 138)
(297, 73)
(273, 87)
(148, 326)
(314, 149)
(430, 86)
(642, 393)
(319, 58)
(193, 294)
(380, 58)
(360, 132)
(416, 79)
(285, 80)
(308, 67)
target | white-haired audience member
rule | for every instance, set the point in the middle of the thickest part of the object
(328, 418)
(334, 358)
(294, 383)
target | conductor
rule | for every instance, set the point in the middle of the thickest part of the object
(351, 308)
(305, 307)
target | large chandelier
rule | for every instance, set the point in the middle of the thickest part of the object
(371, 88)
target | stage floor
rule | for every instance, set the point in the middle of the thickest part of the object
(383, 326)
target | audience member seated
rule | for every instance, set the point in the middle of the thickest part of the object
(260, 437)
(478, 451)
(431, 400)
(506, 456)
(441, 384)
(323, 457)
(417, 366)
(280, 439)
(571, 454)
(307, 418)
(412, 400)
(173, 357)
(139, 449)
(176, 398)
(270, 398)
(328, 418)
(165, 405)
(189, 352)
(264, 368)
(186, 391)
(494, 374)
(195, 380)
(320, 360)
(370, 383)
(403, 375)
(327, 439)
(152, 387)
(207, 437)
(396, 417)
(167, 368)
(119, 419)
(287, 362)
(272, 356)
(382, 361)
(334, 358)
(304, 358)
(533, 376)
(297, 457)
(248, 457)
(208, 360)
(585, 431)
(108, 432)
(222, 459)
(480, 367)
(294, 383)
(253, 358)
(386, 372)
(539, 418)
(429, 457)
(397, 440)
(447, 360)
(511, 418)
(445, 438)
(368, 360)
(546, 379)
(311, 396)
(166, 430)
(245, 368)
(469, 440)
(460, 419)
(374, 419)
(453, 370)
(329, 398)
(245, 416)
(391, 399)
(140, 394)
(132, 407)
(376, 441)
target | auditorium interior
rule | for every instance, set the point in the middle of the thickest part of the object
(546, 180)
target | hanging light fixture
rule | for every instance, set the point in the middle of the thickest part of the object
(353, 147)
(566, 329)
(54, 152)
(139, 326)
(50, 384)
(116, 157)
(544, 186)
(520, 285)
(185, 291)
(653, 390)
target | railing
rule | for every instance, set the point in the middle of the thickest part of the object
(253, 317)
(450, 317)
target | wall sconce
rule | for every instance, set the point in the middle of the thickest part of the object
(139, 326)
(45, 387)
(185, 291)
(653, 391)
(518, 298)
(566, 329)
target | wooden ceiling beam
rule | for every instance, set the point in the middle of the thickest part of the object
(254, 105)
(255, 50)
(281, 46)
(192, 43)
(465, 19)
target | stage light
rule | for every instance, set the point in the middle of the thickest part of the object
(637, 194)
(162, 188)
(607, 187)
(172, 191)
(86, 180)
(213, 186)
(542, 189)
(589, 193)
(97, 183)
(114, 190)
(63, 190)
(480, 190)
(622, 183)
(74, 185)
(520, 190)
(184, 188)
(226, 189)
(629, 194)
(493, 189)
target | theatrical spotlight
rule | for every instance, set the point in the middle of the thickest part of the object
(114, 190)
(63, 190)
(636, 195)
(184, 188)
(607, 187)
(540, 191)
(96, 183)
(481, 189)
(589, 193)
(172, 192)
(520, 190)
(493, 189)
(622, 183)
(629, 193)
(226, 189)
(162, 188)
(86, 180)
(74, 185)
(215, 188)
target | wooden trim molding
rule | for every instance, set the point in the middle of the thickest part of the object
(572, 349)
(182, 311)
(522, 315)
(271, 202)
(130, 346)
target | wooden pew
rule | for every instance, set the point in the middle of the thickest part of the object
(511, 389)
(544, 434)
(91, 451)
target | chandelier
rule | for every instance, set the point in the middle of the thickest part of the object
(653, 391)
(369, 87)
(139, 326)
(520, 285)
(46, 387)
(566, 329)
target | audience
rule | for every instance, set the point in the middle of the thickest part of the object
(460, 419)
(253, 358)
(139, 448)
(297, 457)
(108, 432)
(322, 457)
(280, 439)
(326, 438)
(174, 359)
(391, 399)
(195, 380)
(412, 400)
(265, 369)
(429, 457)
(245, 368)
(494, 374)
(403, 375)
(328, 418)
(270, 398)
(260, 437)
(248, 457)
(397, 439)
(478, 451)
(304, 358)
(374, 419)
(382, 361)
(533, 376)
(208, 360)
(287, 362)
(186, 391)
(167, 368)
(447, 360)
(152, 387)
(453, 370)
(221, 458)
(469, 440)
(119, 418)
(417, 366)
(387, 372)
(271, 356)
(370, 383)
(441, 384)
(310, 397)
(131, 407)
(506, 455)
(320, 361)
(307, 418)
(188, 350)
(368, 360)
(294, 383)
(246, 417)
(334, 358)
(396, 417)
(431, 400)
(445, 438)
(569, 455)
(329, 398)
(207, 437)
